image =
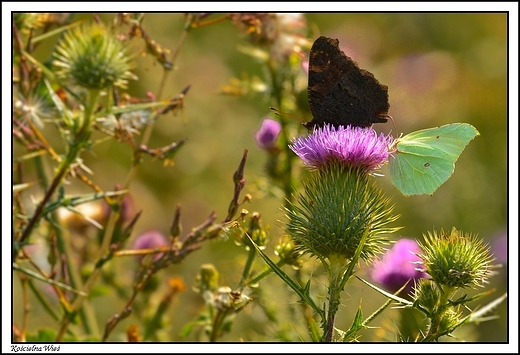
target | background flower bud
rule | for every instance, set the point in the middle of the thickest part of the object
(150, 240)
(268, 133)
(456, 259)
(93, 58)
(398, 266)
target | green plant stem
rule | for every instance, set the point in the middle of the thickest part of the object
(336, 271)
(40, 172)
(39, 210)
(26, 307)
(107, 237)
(217, 324)
(434, 330)
(86, 313)
(247, 268)
(80, 141)
(125, 312)
(46, 306)
(277, 94)
(86, 127)
(264, 274)
(73, 153)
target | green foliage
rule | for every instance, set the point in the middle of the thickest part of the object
(44, 335)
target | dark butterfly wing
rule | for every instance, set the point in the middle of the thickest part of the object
(340, 93)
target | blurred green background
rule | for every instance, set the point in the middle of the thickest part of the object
(440, 69)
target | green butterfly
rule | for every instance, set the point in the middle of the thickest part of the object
(425, 159)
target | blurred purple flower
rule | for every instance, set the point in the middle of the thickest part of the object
(150, 240)
(499, 247)
(353, 146)
(399, 265)
(268, 133)
(305, 66)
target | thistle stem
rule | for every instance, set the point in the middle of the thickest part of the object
(336, 270)
(247, 268)
(277, 93)
(81, 138)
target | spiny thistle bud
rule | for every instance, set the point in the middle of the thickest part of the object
(256, 232)
(449, 320)
(340, 206)
(93, 58)
(427, 295)
(443, 316)
(456, 259)
(25, 22)
(207, 279)
(286, 251)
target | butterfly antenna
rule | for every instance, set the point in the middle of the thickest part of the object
(393, 122)
(286, 114)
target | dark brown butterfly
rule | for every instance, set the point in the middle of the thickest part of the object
(340, 93)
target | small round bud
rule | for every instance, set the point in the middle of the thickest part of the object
(456, 259)
(268, 133)
(207, 279)
(150, 240)
(93, 58)
(427, 295)
(286, 251)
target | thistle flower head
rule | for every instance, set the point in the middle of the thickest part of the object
(350, 146)
(341, 208)
(398, 266)
(456, 259)
(93, 58)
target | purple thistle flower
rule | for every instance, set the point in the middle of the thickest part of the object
(399, 265)
(150, 240)
(353, 146)
(268, 133)
(499, 247)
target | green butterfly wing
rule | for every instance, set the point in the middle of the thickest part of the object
(426, 159)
